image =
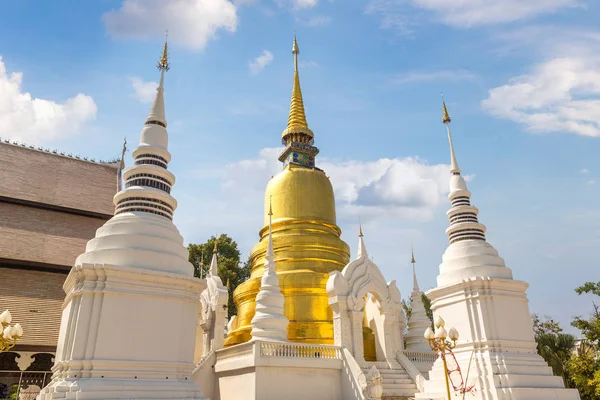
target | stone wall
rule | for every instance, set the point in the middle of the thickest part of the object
(34, 299)
(51, 179)
(43, 236)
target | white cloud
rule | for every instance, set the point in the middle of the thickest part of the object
(395, 15)
(591, 182)
(260, 62)
(403, 15)
(142, 90)
(191, 23)
(318, 20)
(307, 64)
(407, 187)
(432, 76)
(25, 118)
(468, 13)
(562, 94)
(298, 4)
(584, 171)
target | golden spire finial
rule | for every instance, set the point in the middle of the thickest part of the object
(297, 119)
(412, 256)
(227, 285)
(270, 205)
(163, 64)
(360, 232)
(446, 117)
(202, 259)
(215, 249)
(295, 52)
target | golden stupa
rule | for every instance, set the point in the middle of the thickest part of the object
(306, 239)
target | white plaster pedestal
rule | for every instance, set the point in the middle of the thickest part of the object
(261, 370)
(126, 333)
(492, 317)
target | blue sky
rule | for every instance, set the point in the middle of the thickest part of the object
(522, 83)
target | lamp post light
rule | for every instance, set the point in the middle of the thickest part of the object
(9, 334)
(438, 341)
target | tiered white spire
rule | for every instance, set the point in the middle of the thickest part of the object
(463, 216)
(418, 321)
(148, 183)
(133, 272)
(269, 323)
(142, 234)
(469, 254)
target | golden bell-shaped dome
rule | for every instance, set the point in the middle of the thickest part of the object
(307, 248)
(306, 239)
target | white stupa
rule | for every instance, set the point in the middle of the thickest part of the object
(128, 324)
(418, 321)
(269, 323)
(477, 295)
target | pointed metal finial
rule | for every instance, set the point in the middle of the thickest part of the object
(123, 153)
(227, 285)
(360, 232)
(202, 258)
(295, 52)
(163, 64)
(446, 117)
(270, 205)
(412, 256)
(215, 249)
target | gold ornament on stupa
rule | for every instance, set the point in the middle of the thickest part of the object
(306, 238)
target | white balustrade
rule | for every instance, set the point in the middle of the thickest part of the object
(419, 357)
(293, 350)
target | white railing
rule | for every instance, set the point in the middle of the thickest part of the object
(421, 357)
(293, 350)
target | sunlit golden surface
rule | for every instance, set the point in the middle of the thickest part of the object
(307, 247)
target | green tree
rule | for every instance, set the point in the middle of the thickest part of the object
(590, 328)
(557, 350)
(584, 368)
(231, 271)
(585, 365)
(548, 325)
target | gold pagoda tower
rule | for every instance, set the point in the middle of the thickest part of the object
(306, 239)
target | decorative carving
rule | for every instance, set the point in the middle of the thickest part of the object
(373, 384)
(213, 316)
(347, 291)
(24, 360)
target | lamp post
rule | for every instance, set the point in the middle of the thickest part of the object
(9, 334)
(439, 343)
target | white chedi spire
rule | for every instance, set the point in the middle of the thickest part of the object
(269, 323)
(362, 249)
(142, 234)
(133, 272)
(418, 321)
(213, 269)
(469, 254)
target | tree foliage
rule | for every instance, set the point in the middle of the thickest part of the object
(229, 267)
(585, 364)
(584, 368)
(546, 326)
(590, 328)
(557, 349)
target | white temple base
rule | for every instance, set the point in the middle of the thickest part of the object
(260, 370)
(492, 317)
(139, 389)
(126, 333)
